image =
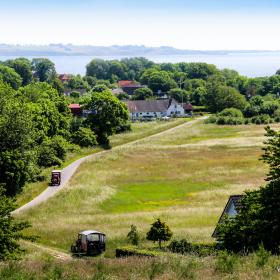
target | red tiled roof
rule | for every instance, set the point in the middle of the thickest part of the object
(188, 106)
(74, 106)
(64, 77)
(126, 83)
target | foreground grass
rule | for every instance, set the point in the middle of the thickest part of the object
(139, 130)
(38, 265)
(168, 175)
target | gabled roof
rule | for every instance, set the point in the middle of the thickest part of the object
(137, 106)
(188, 106)
(125, 83)
(235, 201)
(74, 106)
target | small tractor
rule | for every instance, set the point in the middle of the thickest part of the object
(56, 178)
(89, 243)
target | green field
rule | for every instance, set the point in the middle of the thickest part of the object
(139, 130)
(183, 175)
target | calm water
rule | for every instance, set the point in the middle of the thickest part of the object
(251, 65)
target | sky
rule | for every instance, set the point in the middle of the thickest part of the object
(183, 24)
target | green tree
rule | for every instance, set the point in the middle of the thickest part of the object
(198, 70)
(179, 95)
(158, 80)
(84, 137)
(220, 97)
(259, 212)
(43, 69)
(142, 94)
(159, 232)
(10, 76)
(17, 156)
(133, 235)
(98, 68)
(23, 67)
(10, 230)
(107, 114)
(50, 113)
(76, 82)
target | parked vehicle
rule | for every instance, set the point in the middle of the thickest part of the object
(56, 178)
(89, 243)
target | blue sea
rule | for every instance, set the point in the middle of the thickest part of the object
(248, 64)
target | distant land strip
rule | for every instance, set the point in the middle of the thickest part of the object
(127, 50)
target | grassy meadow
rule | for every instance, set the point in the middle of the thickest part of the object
(40, 266)
(183, 175)
(139, 130)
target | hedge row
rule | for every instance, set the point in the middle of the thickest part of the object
(223, 120)
(132, 251)
(184, 247)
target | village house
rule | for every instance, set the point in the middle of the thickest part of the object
(64, 78)
(231, 209)
(129, 87)
(149, 109)
(76, 109)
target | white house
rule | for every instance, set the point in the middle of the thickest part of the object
(147, 109)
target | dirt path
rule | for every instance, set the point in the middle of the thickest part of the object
(69, 171)
(50, 251)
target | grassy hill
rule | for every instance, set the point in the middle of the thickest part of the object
(183, 175)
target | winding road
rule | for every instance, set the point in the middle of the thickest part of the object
(69, 171)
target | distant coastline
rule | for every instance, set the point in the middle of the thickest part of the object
(130, 50)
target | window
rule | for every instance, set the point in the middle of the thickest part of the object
(93, 237)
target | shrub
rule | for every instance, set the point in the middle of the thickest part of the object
(84, 137)
(75, 94)
(262, 119)
(183, 247)
(211, 119)
(262, 256)
(231, 112)
(159, 232)
(132, 251)
(52, 151)
(133, 235)
(226, 262)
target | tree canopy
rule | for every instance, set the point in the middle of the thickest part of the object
(108, 113)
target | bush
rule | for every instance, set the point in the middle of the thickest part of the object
(159, 232)
(262, 119)
(133, 235)
(75, 94)
(84, 137)
(211, 119)
(183, 247)
(52, 151)
(231, 112)
(223, 120)
(262, 256)
(132, 251)
(226, 262)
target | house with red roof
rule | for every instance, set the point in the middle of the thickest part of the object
(76, 109)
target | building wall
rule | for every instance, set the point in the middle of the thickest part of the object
(147, 115)
(175, 109)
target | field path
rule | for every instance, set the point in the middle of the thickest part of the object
(69, 171)
(50, 251)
